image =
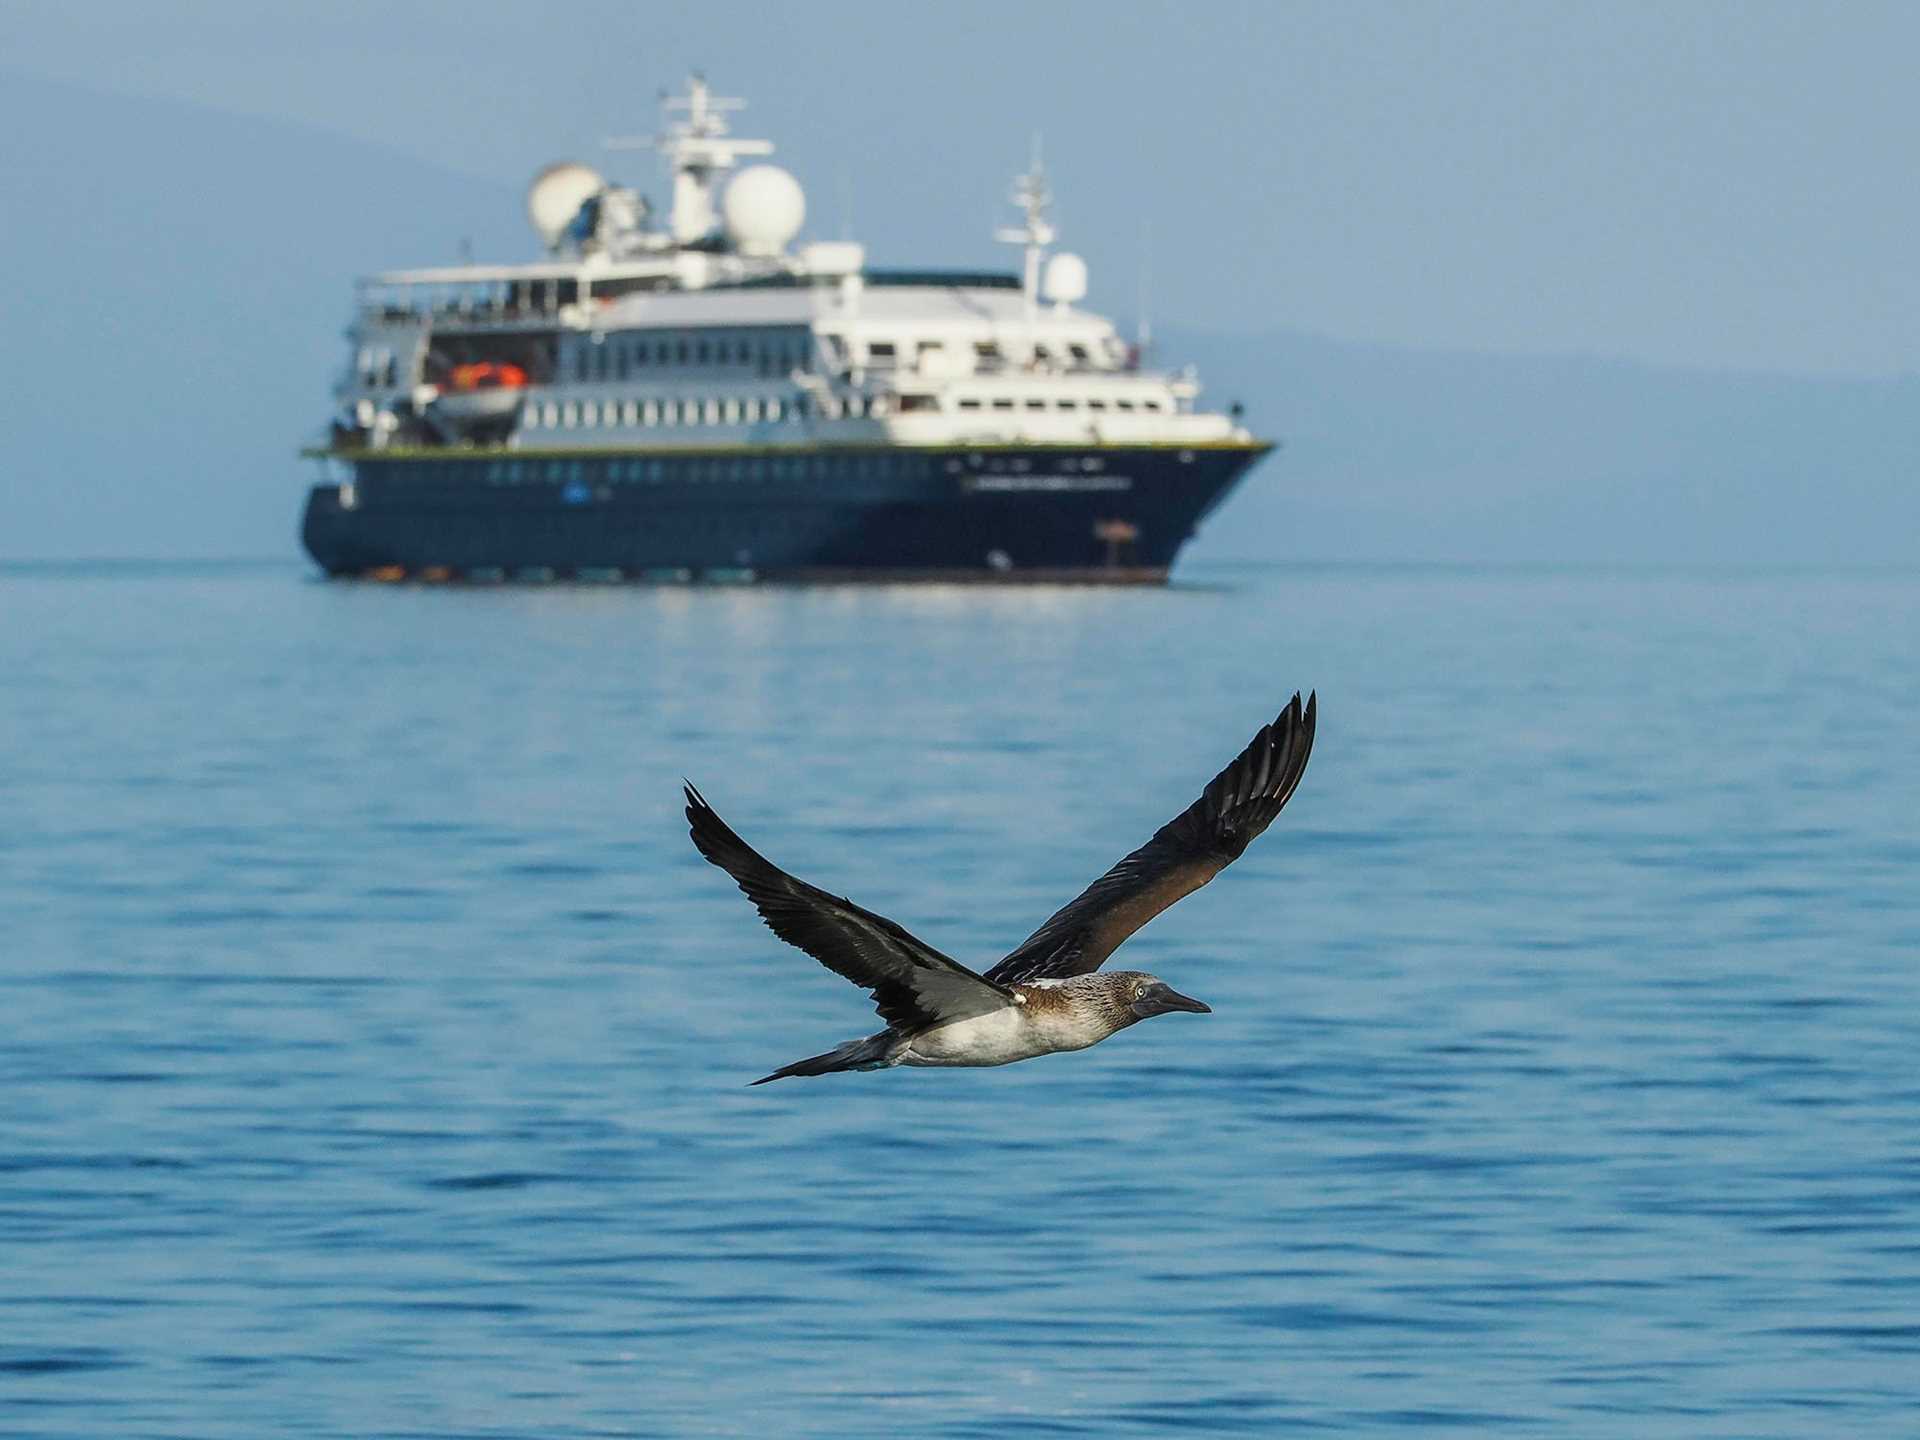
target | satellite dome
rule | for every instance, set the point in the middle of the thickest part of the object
(556, 195)
(764, 209)
(1066, 279)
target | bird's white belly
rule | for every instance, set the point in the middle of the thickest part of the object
(998, 1038)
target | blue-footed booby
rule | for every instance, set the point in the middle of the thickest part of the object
(1044, 996)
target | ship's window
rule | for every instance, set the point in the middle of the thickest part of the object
(713, 412)
(640, 352)
(1066, 404)
(917, 402)
(750, 410)
(1123, 404)
(773, 409)
(969, 404)
(669, 412)
(986, 349)
(553, 470)
(580, 364)
(1036, 404)
(1096, 404)
(681, 351)
(1079, 352)
(600, 361)
(732, 412)
(570, 415)
(631, 413)
(1042, 354)
(701, 352)
(620, 363)
(1003, 404)
(880, 352)
(1153, 405)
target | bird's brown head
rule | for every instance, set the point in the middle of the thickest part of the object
(1149, 995)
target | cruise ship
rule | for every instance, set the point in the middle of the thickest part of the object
(698, 396)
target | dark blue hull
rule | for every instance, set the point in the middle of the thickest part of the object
(1013, 513)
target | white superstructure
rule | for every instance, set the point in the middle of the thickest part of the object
(718, 328)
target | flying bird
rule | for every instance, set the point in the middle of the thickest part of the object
(1045, 996)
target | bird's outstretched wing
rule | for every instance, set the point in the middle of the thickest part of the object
(913, 984)
(1183, 855)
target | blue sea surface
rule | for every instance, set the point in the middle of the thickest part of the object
(374, 1044)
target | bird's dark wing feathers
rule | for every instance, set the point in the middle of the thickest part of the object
(1183, 855)
(913, 984)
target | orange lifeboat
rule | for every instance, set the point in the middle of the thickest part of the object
(487, 375)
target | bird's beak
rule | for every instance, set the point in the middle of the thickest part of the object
(1163, 998)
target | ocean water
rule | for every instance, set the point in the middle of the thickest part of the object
(373, 1042)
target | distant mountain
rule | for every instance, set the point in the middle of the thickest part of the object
(173, 286)
(1394, 454)
(177, 280)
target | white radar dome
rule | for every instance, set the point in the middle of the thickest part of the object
(764, 209)
(556, 195)
(1066, 279)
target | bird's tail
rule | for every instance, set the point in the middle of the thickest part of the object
(867, 1053)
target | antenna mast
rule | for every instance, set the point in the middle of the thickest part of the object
(697, 150)
(1031, 194)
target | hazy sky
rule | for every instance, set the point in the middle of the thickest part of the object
(1725, 184)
